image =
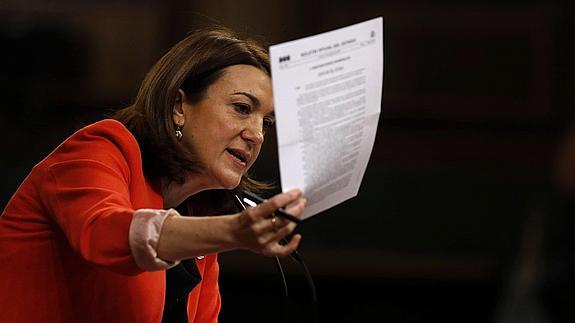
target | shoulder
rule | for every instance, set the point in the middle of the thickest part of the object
(104, 136)
(108, 128)
(108, 142)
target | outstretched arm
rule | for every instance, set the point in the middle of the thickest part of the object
(253, 229)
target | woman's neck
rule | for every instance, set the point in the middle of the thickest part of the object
(175, 194)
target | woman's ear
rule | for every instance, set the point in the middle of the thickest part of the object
(178, 109)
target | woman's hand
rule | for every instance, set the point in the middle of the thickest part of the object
(261, 231)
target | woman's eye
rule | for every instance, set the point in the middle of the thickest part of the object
(268, 123)
(242, 108)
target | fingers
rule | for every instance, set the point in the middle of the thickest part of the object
(296, 208)
(273, 230)
(267, 229)
(283, 250)
(279, 201)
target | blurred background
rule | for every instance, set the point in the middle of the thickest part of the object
(463, 211)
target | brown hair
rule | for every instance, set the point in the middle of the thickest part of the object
(192, 65)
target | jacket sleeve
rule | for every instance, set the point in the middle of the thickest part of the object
(86, 190)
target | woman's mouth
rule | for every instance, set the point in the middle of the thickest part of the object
(241, 157)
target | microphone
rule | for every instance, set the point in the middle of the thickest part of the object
(252, 200)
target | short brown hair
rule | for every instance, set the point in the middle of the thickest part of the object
(192, 65)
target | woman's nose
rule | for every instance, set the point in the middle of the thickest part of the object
(253, 134)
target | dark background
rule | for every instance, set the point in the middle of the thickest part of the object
(449, 224)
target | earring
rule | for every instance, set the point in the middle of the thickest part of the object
(179, 133)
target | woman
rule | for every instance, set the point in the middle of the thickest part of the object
(89, 234)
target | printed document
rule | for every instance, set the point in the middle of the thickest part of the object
(327, 96)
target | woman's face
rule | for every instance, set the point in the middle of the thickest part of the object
(226, 128)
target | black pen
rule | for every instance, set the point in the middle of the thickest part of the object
(252, 199)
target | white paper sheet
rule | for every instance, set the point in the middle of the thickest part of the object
(327, 96)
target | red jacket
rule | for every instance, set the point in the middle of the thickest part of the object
(64, 250)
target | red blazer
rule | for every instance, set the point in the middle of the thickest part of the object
(64, 250)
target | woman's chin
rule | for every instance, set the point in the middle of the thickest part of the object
(230, 186)
(230, 182)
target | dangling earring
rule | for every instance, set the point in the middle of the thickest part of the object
(179, 133)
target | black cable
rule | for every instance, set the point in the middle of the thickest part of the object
(285, 286)
(296, 257)
(282, 273)
(277, 260)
